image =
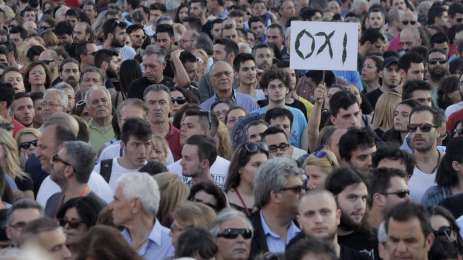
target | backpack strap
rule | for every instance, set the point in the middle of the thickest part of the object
(106, 167)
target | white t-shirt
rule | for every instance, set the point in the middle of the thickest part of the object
(297, 153)
(114, 150)
(117, 171)
(219, 171)
(96, 183)
(419, 183)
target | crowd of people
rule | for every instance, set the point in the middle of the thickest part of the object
(170, 129)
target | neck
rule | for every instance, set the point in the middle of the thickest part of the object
(459, 186)
(140, 228)
(201, 177)
(103, 121)
(6, 116)
(249, 89)
(426, 156)
(161, 128)
(245, 188)
(224, 94)
(375, 217)
(37, 88)
(370, 86)
(273, 104)
(124, 162)
(75, 190)
(277, 220)
(218, 10)
(336, 246)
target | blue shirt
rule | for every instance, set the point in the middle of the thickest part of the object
(245, 101)
(297, 128)
(158, 245)
(352, 77)
(274, 242)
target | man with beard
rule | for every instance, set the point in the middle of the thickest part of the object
(23, 109)
(392, 80)
(245, 67)
(114, 32)
(438, 68)
(109, 62)
(278, 188)
(372, 42)
(387, 187)
(412, 66)
(356, 148)
(423, 132)
(351, 194)
(82, 32)
(85, 52)
(137, 35)
(419, 91)
(264, 55)
(70, 72)
(319, 217)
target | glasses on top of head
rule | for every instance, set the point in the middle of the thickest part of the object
(320, 154)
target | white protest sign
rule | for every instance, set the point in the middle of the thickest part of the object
(324, 45)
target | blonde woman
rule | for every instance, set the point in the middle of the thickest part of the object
(383, 117)
(159, 149)
(26, 141)
(9, 161)
(318, 166)
(224, 142)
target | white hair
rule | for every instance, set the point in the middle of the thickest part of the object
(63, 96)
(141, 186)
(225, 215)
(96, 88)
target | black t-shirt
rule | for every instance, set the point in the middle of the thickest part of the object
(351, 254)
(364, 242)
(453, 204)
(137, 87)
(373, 97)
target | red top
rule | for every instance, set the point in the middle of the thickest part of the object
(173, 138)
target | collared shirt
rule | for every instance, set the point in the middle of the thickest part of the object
(242, 100)
(274, 242)
(99, 135)
(159, 243)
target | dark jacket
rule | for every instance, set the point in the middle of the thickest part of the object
(259, 243)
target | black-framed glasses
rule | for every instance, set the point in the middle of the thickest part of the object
(26, 145)
(179, 100)
(401, 193)
(425, 128)
(296, 189)
(232, 233)
(282, 147)
(255, 147)
(408, 22)
(434, 62)
(56, 158)
(73, 224)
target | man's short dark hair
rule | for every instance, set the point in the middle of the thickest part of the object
(340, 178)
(104, 55)
(434, 12)
(274, 74)
(83, 158)
(273, 130)
(411, 86)
(377, 8)
(405, 62)
(207, 119)
(371, 35)
(111, 24)
(187, 56)
(230, 46)
(158, 6)
(355, 139)
(136, 127)
(342, 99)
(6, 93)
(63, 134)
(433, 50)
(207, 148)
(22, 204)
(40, 225)
(62, 28)
(278, 112)
(165, 28)
(303, 245)
(391, 152)
(202, 2)
(438, 116)
(455, 8)
(19, 29)
(255, 19)
(438, 37)
(317, 76)
(407, 211)
(242, 58)
(380, 180)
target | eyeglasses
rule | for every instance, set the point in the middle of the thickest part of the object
(296, 189)
(26, 145)
(408, 22)
(434, 62)
(425, 128)
(282, 147)
(56, 158)
(401, 193)
(232, 233)
(179, 100)
(72, 224)
(254, 148)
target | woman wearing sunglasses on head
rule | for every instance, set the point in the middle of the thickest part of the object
(449, 177)
(76, 217)
(243, 167)
(446, 232)
(318, 166)
(180, 97)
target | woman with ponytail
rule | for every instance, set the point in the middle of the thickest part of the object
(449, 177)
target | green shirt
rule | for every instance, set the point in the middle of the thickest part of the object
(99, 135)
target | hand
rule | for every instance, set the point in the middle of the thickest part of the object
(320, 93)
(176, 54)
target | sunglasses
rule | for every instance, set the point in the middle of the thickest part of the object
(408, 22)
(232, 233)
(443, 232)
(459, 20)
(179, 100)
(254, 148)
(26, 145)
(320, 154)
(401, 193)
(425, 128)
(296, 189)
(73, 224)
(282, 147)
(434, 62)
